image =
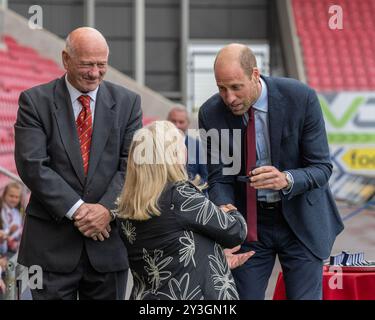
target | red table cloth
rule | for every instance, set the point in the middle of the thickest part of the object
(345, 283)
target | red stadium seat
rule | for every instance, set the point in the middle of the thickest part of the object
(21, 68)
(148, 120)
(344, 59)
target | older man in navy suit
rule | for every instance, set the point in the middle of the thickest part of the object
(286, 189)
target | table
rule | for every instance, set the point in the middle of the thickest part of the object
(340, 283)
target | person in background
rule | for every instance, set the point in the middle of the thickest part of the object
(178, 115)
(3, 258)
(11, 218)
(173, 233)
(3, 237)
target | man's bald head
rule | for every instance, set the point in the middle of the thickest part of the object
(236, 52)
(237, 77)
(82, 37)
(85, 58)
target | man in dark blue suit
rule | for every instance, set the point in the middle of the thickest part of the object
(296, 215)
(180, 118)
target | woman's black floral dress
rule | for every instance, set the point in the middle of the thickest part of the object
(179, 254)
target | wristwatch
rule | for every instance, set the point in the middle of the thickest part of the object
(289, 180)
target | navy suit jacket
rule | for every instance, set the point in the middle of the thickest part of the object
(298, 144)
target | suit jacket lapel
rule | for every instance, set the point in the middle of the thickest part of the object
(103, 124)
(66, 123)
(276, 111)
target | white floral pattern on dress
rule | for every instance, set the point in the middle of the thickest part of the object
(129, 231)
(206, 209)
(188, 249)
(221, 275)
(166, 271)
(154, 268)
(180, 289)
(139, 288)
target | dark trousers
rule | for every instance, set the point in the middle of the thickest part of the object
(84, 283)
(302, 270)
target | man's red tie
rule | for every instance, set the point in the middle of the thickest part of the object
(84, 128)
(251, 200)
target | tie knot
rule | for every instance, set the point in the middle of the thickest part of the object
(84, 100)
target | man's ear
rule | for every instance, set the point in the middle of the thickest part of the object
(65, 58)
(256, 74)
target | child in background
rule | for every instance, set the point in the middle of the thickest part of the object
(3, 259)
(3, 238)
(10, 206)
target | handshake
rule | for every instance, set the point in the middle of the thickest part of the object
(235, 260)
(92, 220)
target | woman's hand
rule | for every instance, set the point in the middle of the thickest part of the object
(227, 207)
(236, 260)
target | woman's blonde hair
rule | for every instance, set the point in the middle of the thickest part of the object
(157, 156)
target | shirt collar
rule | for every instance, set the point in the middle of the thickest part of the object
(75, 94)
(261, 104)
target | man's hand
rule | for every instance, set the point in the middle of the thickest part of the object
(227, 207)
(92, 220)
(267, 177)
(236, 260)
(82, 211)
(102, 235)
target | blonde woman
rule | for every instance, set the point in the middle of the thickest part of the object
(174, 235)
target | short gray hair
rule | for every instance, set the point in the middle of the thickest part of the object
(247, 60)
(179, 108)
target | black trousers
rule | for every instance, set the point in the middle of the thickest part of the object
(84, 283)
(303, 272)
